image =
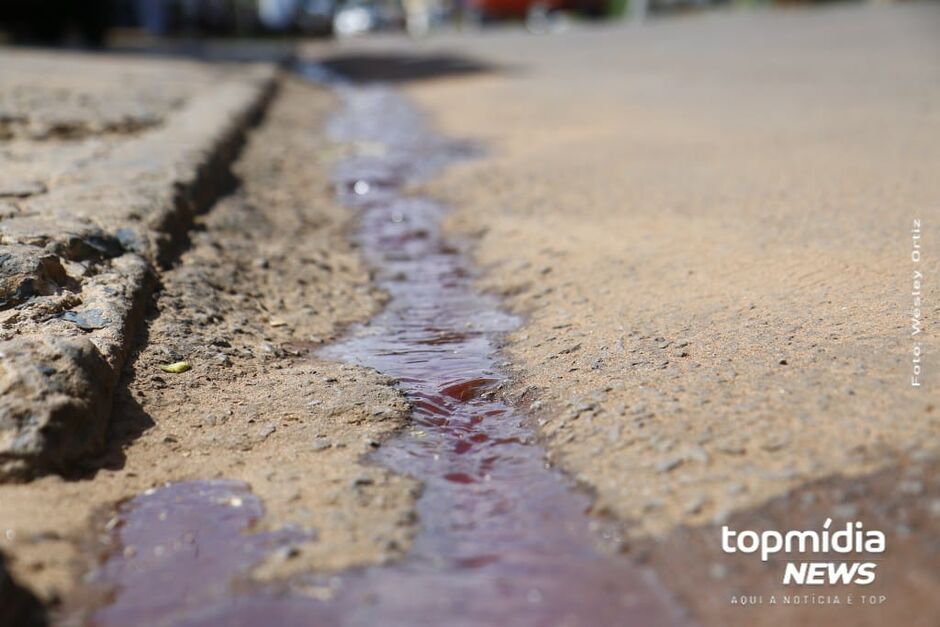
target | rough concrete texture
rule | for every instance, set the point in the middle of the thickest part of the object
(714, 253)
(103, 165)
(708, 224)
(268, 277)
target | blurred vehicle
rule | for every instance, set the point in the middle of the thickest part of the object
(595, 8)
(190, 17)
(354, 18)
(317, 17)
(510, 9)
(310, 17)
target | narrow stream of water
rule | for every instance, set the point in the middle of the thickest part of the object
(503, 540)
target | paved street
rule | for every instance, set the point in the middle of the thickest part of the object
(708, 224)
(240, 311)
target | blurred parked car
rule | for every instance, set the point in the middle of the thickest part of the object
(310, 17)
(507, 9)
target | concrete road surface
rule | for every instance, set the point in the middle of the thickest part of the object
(719, 233)
(722, 231)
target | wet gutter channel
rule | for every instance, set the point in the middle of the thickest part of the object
(502, 540)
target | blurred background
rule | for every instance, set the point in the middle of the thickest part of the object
(96, 23)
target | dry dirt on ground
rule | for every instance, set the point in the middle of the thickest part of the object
(269, 276)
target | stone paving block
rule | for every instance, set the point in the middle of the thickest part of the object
(104, 162)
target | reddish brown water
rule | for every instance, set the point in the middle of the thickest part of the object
(179, 549)
(503, 540)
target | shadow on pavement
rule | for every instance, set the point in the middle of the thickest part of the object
(18, 606)
(401, 68)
